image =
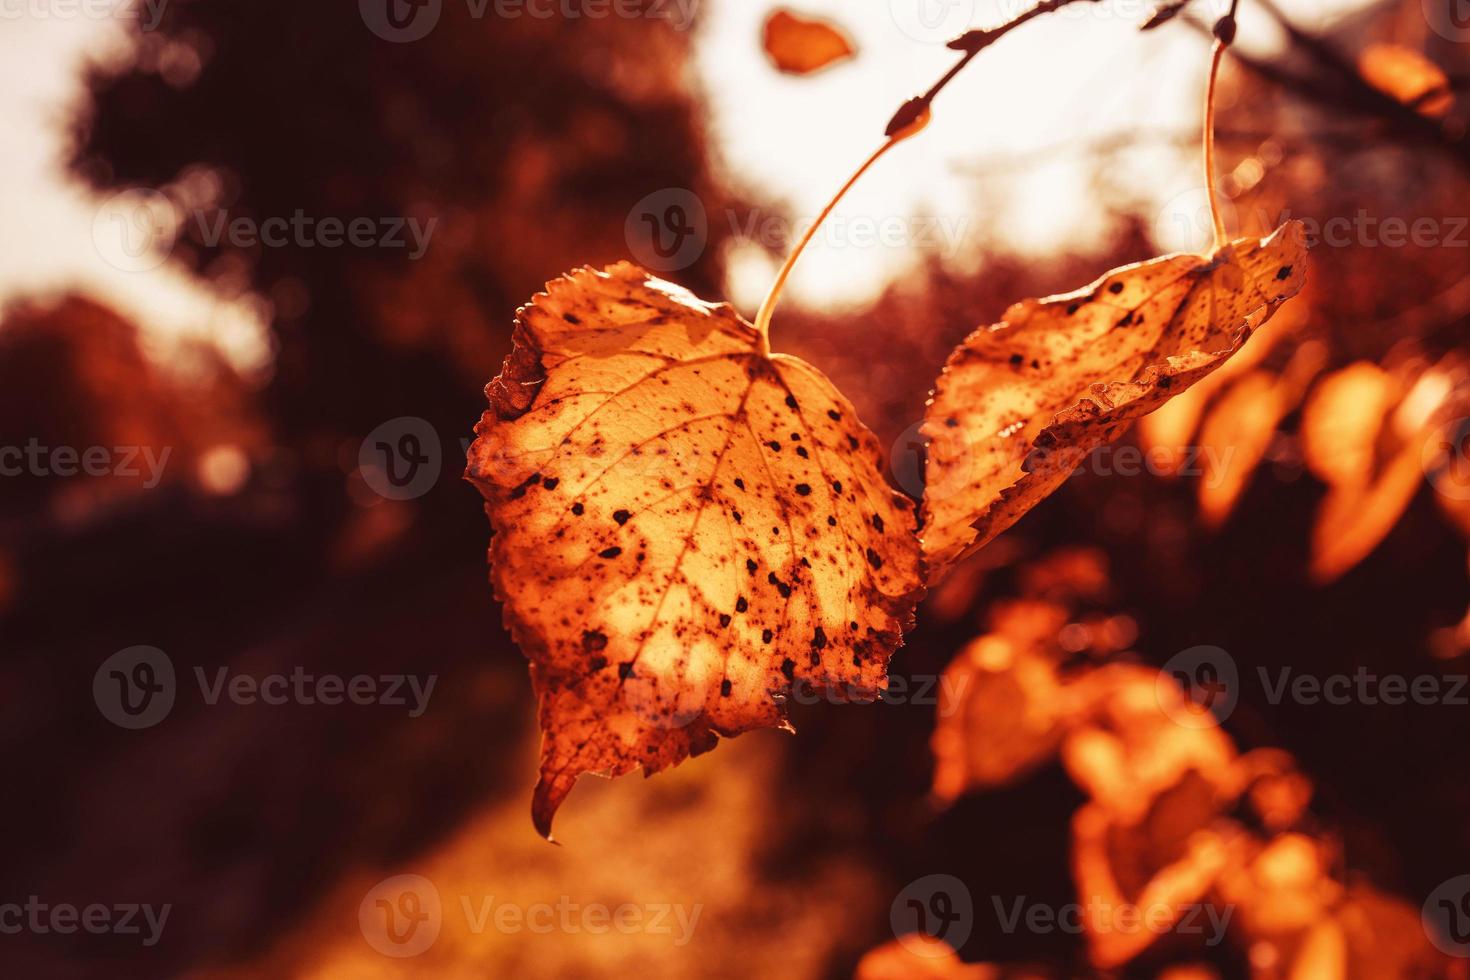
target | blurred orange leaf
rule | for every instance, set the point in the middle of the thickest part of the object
(1364, 433)
(686, 527)
(1408, 76)
(1019, 405)
(800, 46)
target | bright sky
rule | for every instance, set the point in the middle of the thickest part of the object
(58, 235)
(1006, 124)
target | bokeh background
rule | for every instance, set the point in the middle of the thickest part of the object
(1323, 529)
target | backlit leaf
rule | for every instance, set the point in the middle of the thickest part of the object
(687, 527)
(1022, 403)
(800, 46)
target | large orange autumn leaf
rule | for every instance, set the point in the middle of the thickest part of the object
(686, 527)
(1019, 405)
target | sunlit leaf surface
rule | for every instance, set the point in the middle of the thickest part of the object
(1022, 403)
(687, 527)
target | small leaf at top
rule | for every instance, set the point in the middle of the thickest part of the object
(687, 528)
(1020, 404)
(801, 46)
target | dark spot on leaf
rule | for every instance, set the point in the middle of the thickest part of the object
(788, 667)
(740, 483)
(578, 509)
(621, 516)
(625, 670)
(612, 552)
(803, 489)
(750, 565)
(878, 523)
(724, 619)
(741, 605)
(1073, 308)
(836, 486)
(766, 636)
(1283, 272)
(725, 688)
(834, 415)
(873, 559)
(819, 639)
(774, 445)
(791, 401)
(593, 640)
(550, 482)
(1115, 288)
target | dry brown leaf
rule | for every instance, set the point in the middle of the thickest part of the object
(800, 46)
(1168, 433)
(685, 526)
(1019, 405)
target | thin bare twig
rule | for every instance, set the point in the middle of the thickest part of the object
(1352, 93)
(971, 43)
